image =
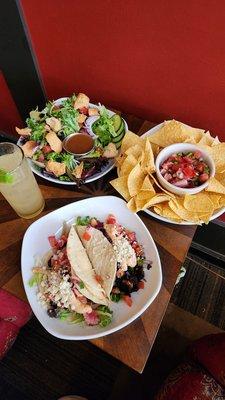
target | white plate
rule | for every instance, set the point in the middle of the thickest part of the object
(104, 171)
(153, 214)
(35, 242)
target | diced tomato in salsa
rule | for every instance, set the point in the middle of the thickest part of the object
(185, 170)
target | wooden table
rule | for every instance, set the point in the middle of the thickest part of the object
(132, 344)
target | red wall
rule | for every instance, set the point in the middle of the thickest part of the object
(156, 59)
(9, 116)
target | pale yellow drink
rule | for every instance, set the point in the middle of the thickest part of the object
(23, 193)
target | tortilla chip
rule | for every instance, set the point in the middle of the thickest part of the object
(136, 151)
(178, 208)
(128, 164)
(215, 199)
(156, 199)
(222, 201)
(217, 152)
(147, 185)
(162, 188)
(120, 184)
(199, 202)
(221, 177)
(206, 139)
(175, 132)
(132, 205)
(165, 211)
(130, 139)
(135, 180)
(147, 161)
(215, 186)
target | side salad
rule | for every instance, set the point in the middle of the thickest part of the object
(42, 138)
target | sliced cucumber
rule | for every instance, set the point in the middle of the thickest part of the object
(119, 138)
(121, 129)
(118, 144)
(117, 121)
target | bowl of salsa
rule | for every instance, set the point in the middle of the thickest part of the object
(184, 168)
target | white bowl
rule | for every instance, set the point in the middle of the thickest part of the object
(35, 244)
(182, 148)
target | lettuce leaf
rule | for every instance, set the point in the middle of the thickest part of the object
(105, 315)
(35, 279)
(83, 221)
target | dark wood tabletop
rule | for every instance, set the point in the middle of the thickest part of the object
(132, 344)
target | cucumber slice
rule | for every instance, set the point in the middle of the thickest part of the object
(117, 120)
(121, 129)
(118, 144)
(118, 138)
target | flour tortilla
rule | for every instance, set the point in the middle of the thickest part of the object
(101, 254)
(82, 268)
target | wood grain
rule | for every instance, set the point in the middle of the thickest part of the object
(132, 344)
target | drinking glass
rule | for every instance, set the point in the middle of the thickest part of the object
(17, 182)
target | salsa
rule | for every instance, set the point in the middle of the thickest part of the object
(185, 170)
(79, 143)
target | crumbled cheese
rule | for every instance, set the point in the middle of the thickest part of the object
(125, 254)
(55, 288)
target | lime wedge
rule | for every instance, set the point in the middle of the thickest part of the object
(5, 177)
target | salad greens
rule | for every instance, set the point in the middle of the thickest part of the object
(83, 221)
(66, 158)
(105, 315)
(35, 279)
(70, 316)
(104, 127)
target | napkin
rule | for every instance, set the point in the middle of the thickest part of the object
(14, 313)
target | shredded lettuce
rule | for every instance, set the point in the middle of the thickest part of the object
(115, 297)
(105, 316)
(70, 316)
(83, 221)
(36, 279)
(81, 285)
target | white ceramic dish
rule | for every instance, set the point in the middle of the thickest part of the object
(98, 175)
(182, 148)
(35, 242)
(152, 213)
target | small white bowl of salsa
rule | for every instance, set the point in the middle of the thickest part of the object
(184, 168)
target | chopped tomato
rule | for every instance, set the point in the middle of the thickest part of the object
(46, 149)
(200, 167)
(175, 167)
(83, 110)
(41, 158)
(86, 235)
(141, 285)
(53, 242)
(188, 171)
(64, 237)
(111, 219)
(98, 278)
(131, 236)
(128, 300)
(203, 177)
(197, 154)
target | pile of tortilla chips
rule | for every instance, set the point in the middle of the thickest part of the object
(138, 184)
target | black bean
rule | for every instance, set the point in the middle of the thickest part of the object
(52, 313)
